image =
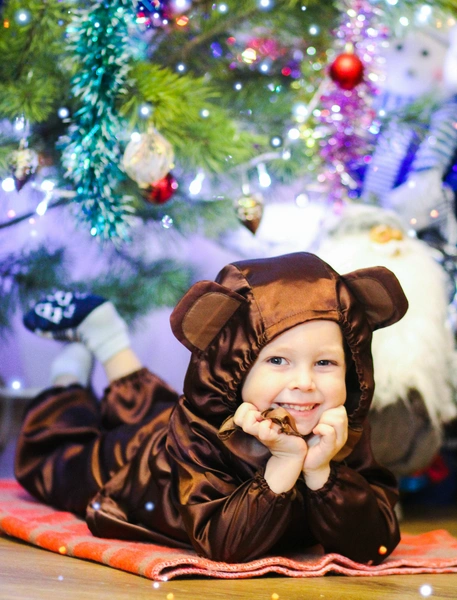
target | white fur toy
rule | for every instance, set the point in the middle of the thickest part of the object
(414, 360)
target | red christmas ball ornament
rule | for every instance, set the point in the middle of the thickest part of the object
(162, 190)
(347, 71)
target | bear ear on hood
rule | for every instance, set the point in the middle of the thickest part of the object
(202, 312)
(380, 293)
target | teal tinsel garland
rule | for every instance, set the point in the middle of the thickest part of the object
(99, 40)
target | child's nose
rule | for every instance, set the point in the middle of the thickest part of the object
(302, 379)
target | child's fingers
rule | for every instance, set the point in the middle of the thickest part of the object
(336, 418)
(326, 433)
(245, 411)
(267, 430)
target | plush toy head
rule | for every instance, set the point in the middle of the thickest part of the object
(414, 63)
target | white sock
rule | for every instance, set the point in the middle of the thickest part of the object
(104, 332)
(76, 361)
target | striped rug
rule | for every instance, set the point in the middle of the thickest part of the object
(24, 518)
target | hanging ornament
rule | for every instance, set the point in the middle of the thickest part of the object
(148, 157)
(161, 191)
(347, 71)
(23, 164)
(249, 210)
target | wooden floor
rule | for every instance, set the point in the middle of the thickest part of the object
(29, 573)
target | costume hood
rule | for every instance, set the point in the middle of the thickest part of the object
(226, 323)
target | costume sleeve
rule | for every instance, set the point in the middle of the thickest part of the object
(353, 514)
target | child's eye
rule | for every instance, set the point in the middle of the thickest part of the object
(324, 363)
(277, 360)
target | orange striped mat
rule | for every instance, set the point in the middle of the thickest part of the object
(23, 517)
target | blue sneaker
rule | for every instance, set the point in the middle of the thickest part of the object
(58, 315)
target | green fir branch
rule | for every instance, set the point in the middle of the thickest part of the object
(32, 78)
(149, 286)
(7, 146)
(210, 217)
(178, 103)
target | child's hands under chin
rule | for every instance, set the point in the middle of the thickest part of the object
(331, 434)
(281, 445)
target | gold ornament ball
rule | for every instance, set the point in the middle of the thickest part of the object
(148, 157)
(249, 210)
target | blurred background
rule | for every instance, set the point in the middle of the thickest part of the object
(144, 145)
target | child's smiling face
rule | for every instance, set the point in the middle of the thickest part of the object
(302, 370)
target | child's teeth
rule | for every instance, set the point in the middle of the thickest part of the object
(298, 407)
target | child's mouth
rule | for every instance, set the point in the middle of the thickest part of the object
(298, 407)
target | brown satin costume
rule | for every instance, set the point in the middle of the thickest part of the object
(146, 465)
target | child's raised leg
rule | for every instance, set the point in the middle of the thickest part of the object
(89, 319)
(71, 444)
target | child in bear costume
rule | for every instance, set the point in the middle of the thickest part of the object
(267, 450)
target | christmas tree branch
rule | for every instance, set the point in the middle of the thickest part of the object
(28, 215)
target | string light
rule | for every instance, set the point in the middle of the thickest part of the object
(8, 184)
(47, 185)
(264, 177)
(43, 205)
(424, 13)
(22, 17)
(145, 110)
(181, 5)
(302, 200)
(249, 55)
(63, 112)
(196, 185)
(276, 141)
(293, 133)
(19, 124)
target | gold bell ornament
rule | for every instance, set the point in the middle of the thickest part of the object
(249, 210)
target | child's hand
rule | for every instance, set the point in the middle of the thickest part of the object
(287, 451)
(281, 445)
(332, 434)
